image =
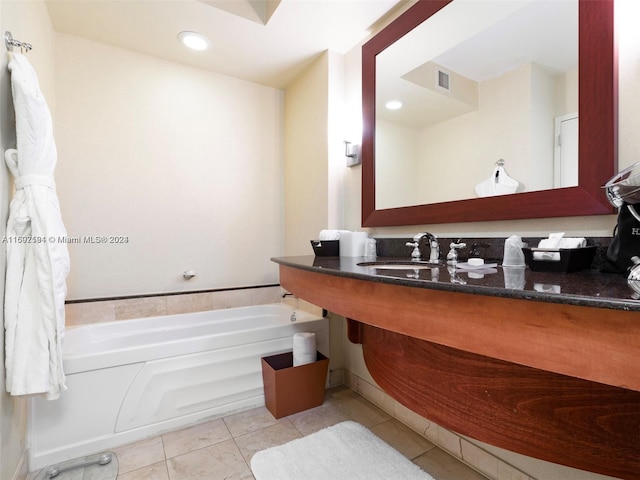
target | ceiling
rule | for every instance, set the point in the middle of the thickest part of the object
(263, 41)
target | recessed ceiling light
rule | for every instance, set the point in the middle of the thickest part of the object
(394, 104)
(193, 40)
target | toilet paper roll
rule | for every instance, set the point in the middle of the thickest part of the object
(304, 348)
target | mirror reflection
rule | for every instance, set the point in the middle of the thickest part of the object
(488, 92)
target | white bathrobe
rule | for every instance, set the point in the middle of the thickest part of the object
(37, 257)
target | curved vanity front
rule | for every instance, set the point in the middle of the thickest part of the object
(547, 365)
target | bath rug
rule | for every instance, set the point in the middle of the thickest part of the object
(346, 451)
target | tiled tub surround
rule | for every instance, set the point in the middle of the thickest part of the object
(587, 330)
(80, 312)
(131, 379)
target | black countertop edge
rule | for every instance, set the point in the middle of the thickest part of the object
(589, 288)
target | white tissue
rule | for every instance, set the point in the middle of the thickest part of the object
(352, 244)
(304, 348)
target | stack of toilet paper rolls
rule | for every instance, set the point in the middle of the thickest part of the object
(304, 348)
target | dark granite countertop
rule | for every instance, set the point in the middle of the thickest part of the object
(589, 288)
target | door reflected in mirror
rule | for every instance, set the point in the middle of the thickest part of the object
(488, 96)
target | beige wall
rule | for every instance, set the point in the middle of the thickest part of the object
(306, 186)
(29, 22)
(187, 165)
(315, 130)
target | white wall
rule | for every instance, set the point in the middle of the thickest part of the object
(187, 165)
(29, 22)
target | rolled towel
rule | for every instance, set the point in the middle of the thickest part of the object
(556, 241)
(573, 242)
(553, 242)
(331, 234)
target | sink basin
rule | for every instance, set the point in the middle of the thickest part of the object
(398, 265)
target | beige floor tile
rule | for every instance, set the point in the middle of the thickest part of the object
(157, 471)
(217, 462)
(337, 395)
(442, 466)
(363, 411)
(315, 419)
(193, 438)
(249, 421)
(141, 454)
(268, 437)
(402, 438)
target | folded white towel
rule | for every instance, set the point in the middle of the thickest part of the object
(556, 241)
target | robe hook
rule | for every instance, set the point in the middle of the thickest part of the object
(11, 42)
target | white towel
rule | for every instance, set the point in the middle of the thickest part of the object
(331, 234)
(557, 241)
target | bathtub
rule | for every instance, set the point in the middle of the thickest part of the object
(132, 379)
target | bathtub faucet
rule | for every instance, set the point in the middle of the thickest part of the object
(293, 317)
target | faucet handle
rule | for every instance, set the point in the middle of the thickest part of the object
(416, 250)
(452, 256)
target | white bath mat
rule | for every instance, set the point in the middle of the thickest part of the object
(346, 451)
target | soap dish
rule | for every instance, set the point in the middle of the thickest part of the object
(571, 259)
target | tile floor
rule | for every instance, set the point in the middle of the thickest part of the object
(222, 448)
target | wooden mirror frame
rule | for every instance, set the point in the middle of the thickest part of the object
(597, 137)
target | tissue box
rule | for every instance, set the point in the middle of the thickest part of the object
(289, 389)
(326, 248)
(571, 260)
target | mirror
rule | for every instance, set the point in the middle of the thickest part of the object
(595, 101)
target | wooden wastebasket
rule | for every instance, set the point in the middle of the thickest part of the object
(289, 389)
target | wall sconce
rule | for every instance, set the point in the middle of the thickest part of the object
(352, 152)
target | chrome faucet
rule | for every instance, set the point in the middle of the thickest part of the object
(434, 255)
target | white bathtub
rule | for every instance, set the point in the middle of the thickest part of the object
(128, 380)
